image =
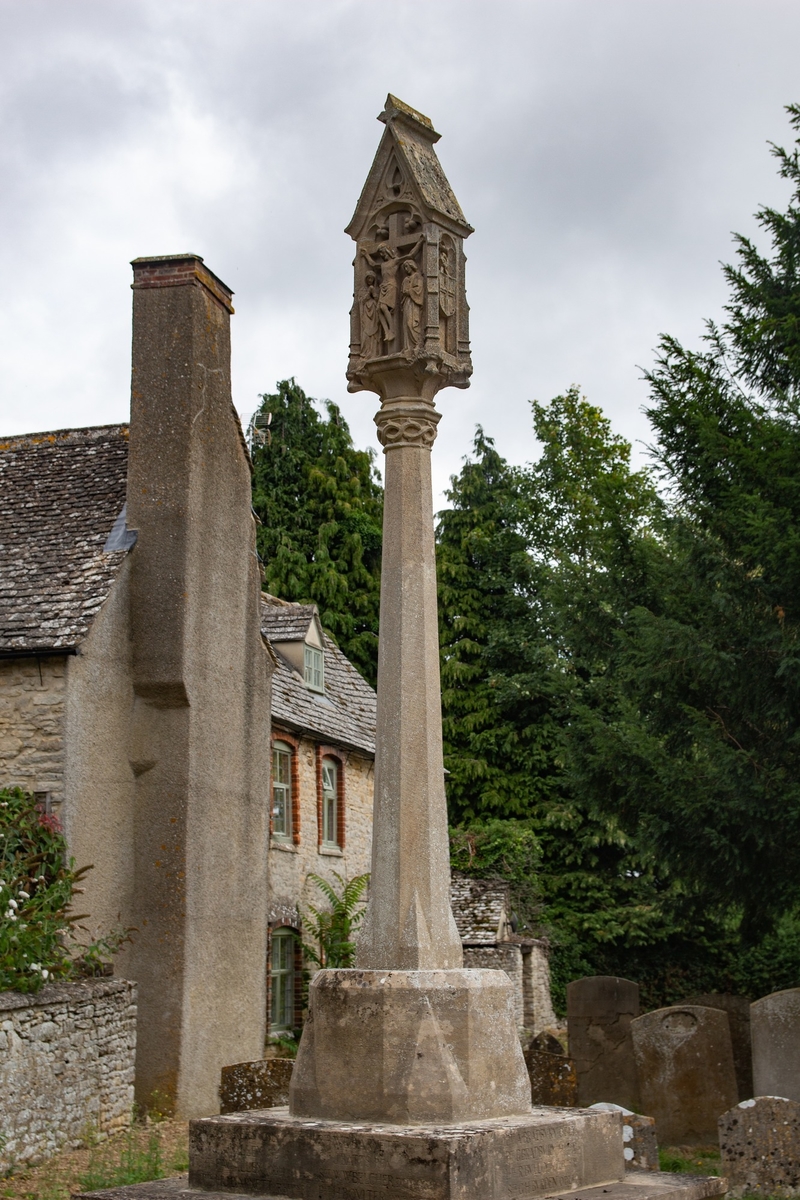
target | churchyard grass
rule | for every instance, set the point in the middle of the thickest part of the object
(143, 1152)
(690, 1160)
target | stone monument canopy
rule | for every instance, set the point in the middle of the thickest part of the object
(407, 169)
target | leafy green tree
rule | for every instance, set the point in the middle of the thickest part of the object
(696, 742)
(320, 505)
(534, 568)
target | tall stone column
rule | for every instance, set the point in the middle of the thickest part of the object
(409, 1035)
(409, 923)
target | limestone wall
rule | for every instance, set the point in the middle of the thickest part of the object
(32, 703)
(66, 1066)
(538, 1004)
(99, 780)
(503, 957)
(291, 862)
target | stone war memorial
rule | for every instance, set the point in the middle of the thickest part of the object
(410, 1082)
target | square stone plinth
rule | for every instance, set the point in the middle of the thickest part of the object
(540, 1154)
(637, 1185)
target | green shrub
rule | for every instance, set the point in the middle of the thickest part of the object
(38, 929)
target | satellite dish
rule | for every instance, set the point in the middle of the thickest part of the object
(258, 433)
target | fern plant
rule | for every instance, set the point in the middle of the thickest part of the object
(331, 929)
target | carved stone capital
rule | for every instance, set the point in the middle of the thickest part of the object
(407, 425)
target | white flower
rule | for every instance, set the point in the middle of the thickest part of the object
(45, 974)
(13, 904)
(11, 915)
(24, 895)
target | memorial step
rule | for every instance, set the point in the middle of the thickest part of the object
(637, 1185)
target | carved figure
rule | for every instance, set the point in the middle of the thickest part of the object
(413, 296)
(368, 317)
(388, 262)
(447, 298)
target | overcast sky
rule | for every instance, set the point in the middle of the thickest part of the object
(604, 150)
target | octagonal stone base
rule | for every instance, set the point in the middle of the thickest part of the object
(410, 1046)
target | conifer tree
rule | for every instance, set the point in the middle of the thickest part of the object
(320, 505)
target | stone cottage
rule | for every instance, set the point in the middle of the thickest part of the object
(134, 680)
(323, 749)
(487, 925)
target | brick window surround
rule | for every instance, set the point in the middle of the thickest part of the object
(279, 736)
(298, 970)
(340, 759)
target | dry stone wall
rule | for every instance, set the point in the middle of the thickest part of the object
(66, 1066)
(32, 696)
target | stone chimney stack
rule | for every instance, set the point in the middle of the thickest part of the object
(200, 730)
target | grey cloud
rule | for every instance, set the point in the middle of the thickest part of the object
(603, 152)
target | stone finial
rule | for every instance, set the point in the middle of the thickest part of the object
(409, 324)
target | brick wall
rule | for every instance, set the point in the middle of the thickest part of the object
(66, 1066)
(32, 699)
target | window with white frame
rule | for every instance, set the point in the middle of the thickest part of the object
(281, 790)
(330, 802)
(281, 973)
(314, 671)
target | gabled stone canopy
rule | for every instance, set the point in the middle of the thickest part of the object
(407, 145)
(409, 324)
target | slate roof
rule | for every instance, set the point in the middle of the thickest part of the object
(480, 908)
(60, 494)
(286, 622)
(345, 715)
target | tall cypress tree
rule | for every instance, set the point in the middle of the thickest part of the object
(320, 504)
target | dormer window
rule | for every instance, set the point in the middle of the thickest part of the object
(314, 672)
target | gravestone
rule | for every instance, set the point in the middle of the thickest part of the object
(260, 1084)
(553, 1078)
(759, 1141)
(638, 1138)
(738, 1010)
(600, 1009)
(775, 1034)
(545, 1041)
(684, 1063)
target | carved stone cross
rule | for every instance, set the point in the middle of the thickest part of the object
(409, 1035)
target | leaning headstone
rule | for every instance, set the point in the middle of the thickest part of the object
(738, 1010)
(600, 1009)
(775, 1032)
(759, 1141)
(260, 1084)
(640, 1145)
(684, 1063)
(554, 1083)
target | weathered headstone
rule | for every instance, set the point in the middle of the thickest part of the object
(759, 1141)
(775, 1034)
(553, 1078)
(684, 1063)
(260, 1084)
(600, 1009)
(640, 1144)
(545, 1041)
(738, 1010)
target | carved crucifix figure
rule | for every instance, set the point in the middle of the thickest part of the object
(388, 257)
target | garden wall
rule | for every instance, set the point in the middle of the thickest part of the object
(66, 1066)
